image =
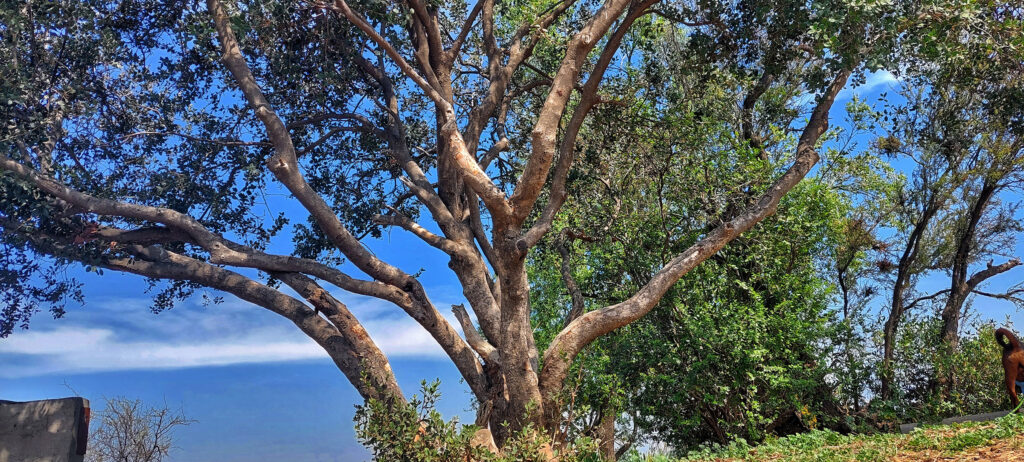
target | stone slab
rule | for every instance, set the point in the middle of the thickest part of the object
(908, 427)
(51, 430)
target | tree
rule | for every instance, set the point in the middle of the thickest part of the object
(140, 138)
(957, 119)
(977, 96)
(738, 345)
(129, 431)
(962, 161)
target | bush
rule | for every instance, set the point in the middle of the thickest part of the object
(396, 431)
(932, 382)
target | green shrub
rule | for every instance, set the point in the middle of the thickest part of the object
(396, 431)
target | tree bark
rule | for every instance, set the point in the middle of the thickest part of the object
(959, 288)
(605, 434)
(896, 307)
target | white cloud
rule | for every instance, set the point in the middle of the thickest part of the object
(120, 334)
(873, 81)
(71, 350)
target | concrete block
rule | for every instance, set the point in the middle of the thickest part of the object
(909, 427)
(50, 430)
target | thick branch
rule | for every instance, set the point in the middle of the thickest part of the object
(404, 65)
(501, 73)
(990, 271)
(567, 149)
(222, 251)
(343, 349)
(371, 358)
(545, 130)
(91, 204)
(284, 163)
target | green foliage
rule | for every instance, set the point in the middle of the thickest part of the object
(824, 445)
(739, 347)
(396, 431)
(973, 375)
(735, 349)
(128, 101)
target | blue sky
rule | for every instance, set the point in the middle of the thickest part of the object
(259, 389)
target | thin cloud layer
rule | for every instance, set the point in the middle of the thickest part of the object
(120, 334)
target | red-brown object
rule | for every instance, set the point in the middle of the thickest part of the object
(1013, 361)
(83, 430)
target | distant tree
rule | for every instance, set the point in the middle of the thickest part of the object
(949, 216)
(127, 430)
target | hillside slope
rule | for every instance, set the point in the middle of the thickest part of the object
(999, 440)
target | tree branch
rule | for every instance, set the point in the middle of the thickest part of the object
(371, 358)
(567, 148)
(284, 164)
(407, 69)
(925, 298)
(159, 263)
(989, 271)
(545, 131)
(408, 224)
(479, 344)
(467, 26)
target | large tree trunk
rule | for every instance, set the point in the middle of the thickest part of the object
(518, 353)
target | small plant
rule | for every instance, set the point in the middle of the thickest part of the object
(396, 431)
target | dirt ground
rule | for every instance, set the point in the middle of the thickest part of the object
(1010, 449)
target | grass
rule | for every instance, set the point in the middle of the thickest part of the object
(1002, 439)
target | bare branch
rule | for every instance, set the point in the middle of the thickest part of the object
(479, 344)
(91, 204)
(1013, 295)
(925, 298)
(407, 69)
(408, 224)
